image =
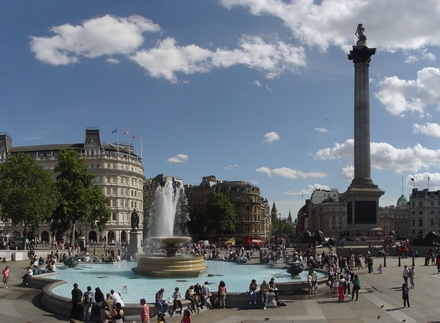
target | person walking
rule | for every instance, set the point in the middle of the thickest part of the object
(405, 274)
(6, 274)
(186, 317)
(412, 275)
(341, 288)
(405, 295)
(205, 294)
(145, 311)
(356, 287)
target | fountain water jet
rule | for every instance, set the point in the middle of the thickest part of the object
(167, 201)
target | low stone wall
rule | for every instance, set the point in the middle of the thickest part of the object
(241, 301)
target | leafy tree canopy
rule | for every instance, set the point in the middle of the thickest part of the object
(27, 192)
(78, 199)
(220, 214)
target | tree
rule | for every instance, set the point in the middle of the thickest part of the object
(220, 214)
(78, 199)
(27, 192)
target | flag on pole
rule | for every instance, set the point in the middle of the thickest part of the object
(126, 132)
(133, 136)
(412, 179)
(116, 130)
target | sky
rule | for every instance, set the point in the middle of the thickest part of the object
(247, 90)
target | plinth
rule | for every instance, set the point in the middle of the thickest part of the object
(135, 245)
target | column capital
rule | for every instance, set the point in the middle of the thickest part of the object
(361, 54)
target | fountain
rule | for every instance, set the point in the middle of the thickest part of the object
(167, 201)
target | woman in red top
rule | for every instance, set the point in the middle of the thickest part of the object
(222, 294)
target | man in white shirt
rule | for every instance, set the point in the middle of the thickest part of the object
(116, 298)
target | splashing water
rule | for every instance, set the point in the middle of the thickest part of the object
(167, 203)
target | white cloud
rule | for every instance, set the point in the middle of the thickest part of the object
(180, 158)
(385, 156)
(271, 137)
(321, 130)
(400, 96)
(309, 21)
(424, 180)
(348, 172)
(166, 59)
(112, 60)
(269, 89)
(256, 83)
(310, 189)
(289, 173)
(420, 54)
(429, 129)
(292, 173)
(265, 170)
(96, 37)
(229, 167)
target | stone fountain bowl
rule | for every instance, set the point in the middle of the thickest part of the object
(171, 266)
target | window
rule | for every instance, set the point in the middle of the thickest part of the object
(114, 203)
(114, 216)
(108, 191)
(420, 222)
(432, 222)
(92, 166)
(114, 191)
(420, 203)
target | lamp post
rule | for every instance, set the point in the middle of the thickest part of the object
(280, 229)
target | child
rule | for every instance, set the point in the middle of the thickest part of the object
(186, 317)
(380, 269)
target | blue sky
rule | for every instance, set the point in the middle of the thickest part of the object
(252, 90)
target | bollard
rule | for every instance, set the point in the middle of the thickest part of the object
(413, 264)
(384, 259)
(398, 264)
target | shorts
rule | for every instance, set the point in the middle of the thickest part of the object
(5, 280)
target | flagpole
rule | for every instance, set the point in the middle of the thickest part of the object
(141, 147)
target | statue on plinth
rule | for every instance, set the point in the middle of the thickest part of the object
(134, 220)
(360, 32)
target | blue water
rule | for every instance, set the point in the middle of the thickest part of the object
(107, 277)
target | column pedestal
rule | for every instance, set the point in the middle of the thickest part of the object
(135, 245)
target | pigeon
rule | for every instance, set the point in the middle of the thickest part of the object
(382, 306)
(378, 317)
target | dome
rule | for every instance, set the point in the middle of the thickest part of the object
(402, 201)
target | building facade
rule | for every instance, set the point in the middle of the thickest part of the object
(424, 212)
(252, 211)
(117, 170)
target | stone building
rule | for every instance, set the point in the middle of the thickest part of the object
(395, 219)
(252, 210)
(328, 217)
(424, 212)
(117, 169)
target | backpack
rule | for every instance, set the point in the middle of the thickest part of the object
(88, 297)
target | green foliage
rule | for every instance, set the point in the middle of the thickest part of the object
(27, 192)
(220, 214)
(78, 199)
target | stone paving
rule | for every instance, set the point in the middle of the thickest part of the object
(379, 301)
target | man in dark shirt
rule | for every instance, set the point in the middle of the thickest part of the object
(77, 307)
(161, 303)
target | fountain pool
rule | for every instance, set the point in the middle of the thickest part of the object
(115, 276)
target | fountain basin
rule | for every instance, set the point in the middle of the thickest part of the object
(170, 267)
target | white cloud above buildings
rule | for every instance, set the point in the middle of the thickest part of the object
(309, 190)
(289, 173)
(402, 96)
(321, 130)
(308, 21)
(428, 129)
(180, 158)
(386, 157)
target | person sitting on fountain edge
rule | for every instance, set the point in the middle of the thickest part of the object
(161, 303)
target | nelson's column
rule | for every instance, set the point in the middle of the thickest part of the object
(363, 195)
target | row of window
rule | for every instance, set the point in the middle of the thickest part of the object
(125, 203)
(430, 203)
(433, 222)
(122, 192)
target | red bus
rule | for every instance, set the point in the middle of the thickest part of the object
(252, 242)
